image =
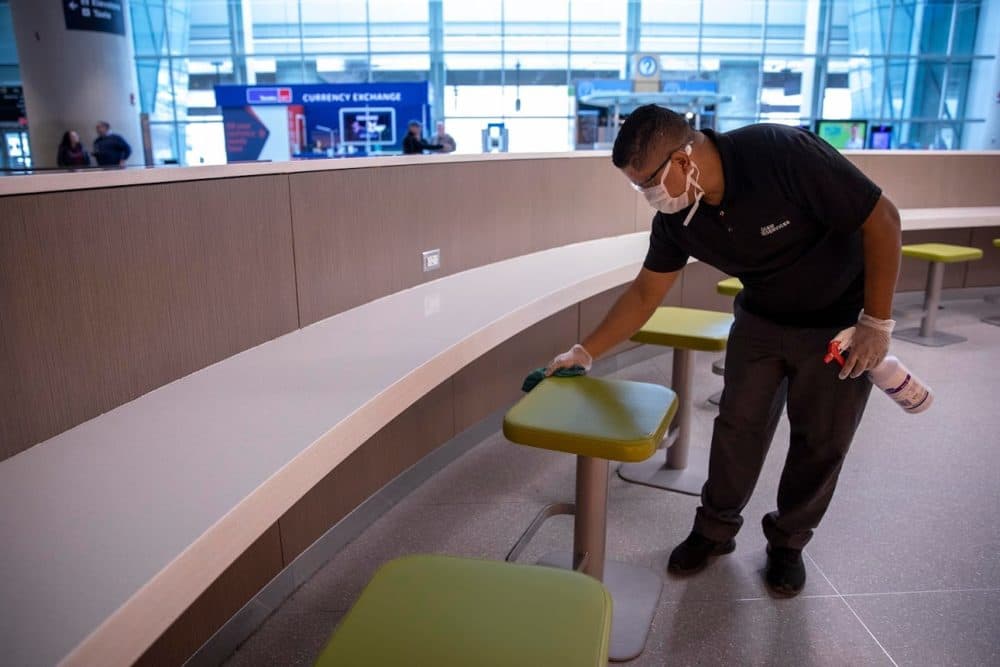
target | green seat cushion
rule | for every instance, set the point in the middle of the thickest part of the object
(996, 243)
(608, 419)
(729, 287)
(942, 252)
(441, 610)
(687, 328)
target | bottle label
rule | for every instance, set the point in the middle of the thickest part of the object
(910, 395)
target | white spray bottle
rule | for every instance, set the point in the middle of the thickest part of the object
(891, 376)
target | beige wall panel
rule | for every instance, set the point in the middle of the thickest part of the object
(237, 585)
(359, 234)
(592, 312)
(494, 380)
(601, 201)
(985, 272)
(922, 180)
(913, 272)
(401, 443)
(643, 213)
(700, 282)
(108, 294)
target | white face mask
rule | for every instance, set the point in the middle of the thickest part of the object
(663, 201)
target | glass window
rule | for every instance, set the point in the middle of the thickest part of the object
(471, 26)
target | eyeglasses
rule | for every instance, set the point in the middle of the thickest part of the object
(645, 184)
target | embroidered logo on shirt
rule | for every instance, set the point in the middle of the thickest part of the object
(767, 230)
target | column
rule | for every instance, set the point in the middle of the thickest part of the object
(77, 68)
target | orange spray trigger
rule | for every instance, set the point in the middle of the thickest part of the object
(833, 353)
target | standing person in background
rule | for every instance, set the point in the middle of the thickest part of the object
(110, 149)
(414, 144)
(446, 140)
(71, 151)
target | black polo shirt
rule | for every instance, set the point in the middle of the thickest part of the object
(788, 226)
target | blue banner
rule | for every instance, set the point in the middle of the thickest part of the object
(322, 120)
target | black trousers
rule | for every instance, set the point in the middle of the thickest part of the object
(767, 364)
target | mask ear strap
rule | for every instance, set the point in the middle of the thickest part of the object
(693, 174)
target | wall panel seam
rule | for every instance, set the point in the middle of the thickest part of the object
(295, 265)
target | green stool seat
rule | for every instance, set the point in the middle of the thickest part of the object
(683, 468)
(598, 420)
(686, 328)
(605, 419)
(996, 243)
(942, 252)
(440, 610)
(729, 287)
(938, 254)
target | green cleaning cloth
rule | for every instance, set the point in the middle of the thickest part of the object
(538, 375)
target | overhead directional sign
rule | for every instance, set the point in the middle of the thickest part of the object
(95, 15)
(11, 104)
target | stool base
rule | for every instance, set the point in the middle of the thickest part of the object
(715, 398)
(936, 339)
(635, 591)
(654, 472)
(995, 320)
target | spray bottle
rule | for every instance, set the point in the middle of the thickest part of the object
(891, 376)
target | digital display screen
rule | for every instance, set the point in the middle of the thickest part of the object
(843, 134)
(880, 137)
(359, 127)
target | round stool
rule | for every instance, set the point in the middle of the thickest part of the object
(597, 420)
(440, 610)
(682, 468)
(938, 254)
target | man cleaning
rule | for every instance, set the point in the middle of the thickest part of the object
(817, 247)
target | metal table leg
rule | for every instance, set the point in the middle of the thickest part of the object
(685, 469)
(634, 589)
(926, 334)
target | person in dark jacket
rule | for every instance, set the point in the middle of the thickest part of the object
(414, 144)
(71, 151)
(110, 149)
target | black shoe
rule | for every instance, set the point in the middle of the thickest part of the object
(786, 573)
(692, 554)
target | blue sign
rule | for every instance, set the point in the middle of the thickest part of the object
(587, 87)
(648, 66)
(313, 120)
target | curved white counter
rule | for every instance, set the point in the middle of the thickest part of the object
(101, 506)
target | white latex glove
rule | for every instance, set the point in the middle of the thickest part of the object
(575, 356)
(869, 345)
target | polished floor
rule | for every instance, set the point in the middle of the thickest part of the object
(904, 570)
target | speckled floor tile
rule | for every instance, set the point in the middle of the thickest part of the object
(935, 629)
(481, 531)
(286, 638)
(801, 632)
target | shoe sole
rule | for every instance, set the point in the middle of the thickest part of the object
(782, 592)
(721, 550)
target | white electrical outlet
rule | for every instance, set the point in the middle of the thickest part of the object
(432, 259)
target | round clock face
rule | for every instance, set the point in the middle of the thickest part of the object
(647, 66)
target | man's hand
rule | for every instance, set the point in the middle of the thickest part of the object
(869, 346)
(575, 356)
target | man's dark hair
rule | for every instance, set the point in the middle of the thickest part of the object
(643, 130)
